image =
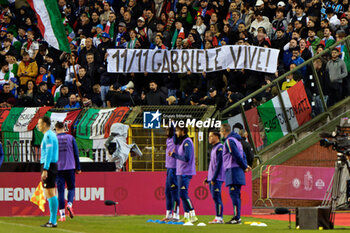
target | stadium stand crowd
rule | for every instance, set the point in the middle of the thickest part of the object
(35, 74)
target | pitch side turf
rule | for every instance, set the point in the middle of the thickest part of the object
(137, 224)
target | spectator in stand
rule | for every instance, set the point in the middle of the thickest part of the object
(6, 97)
(299, 15)
(132, 42)
(55, 91)
(45, 76)
(21, 35)
(117, 97)
(337, 71)
(214, 98)
(96, 96)
(325, 86)
(43, 97)
(305, 53)
(280, 41)
(107, 11)
(289, 82)
(27, 69)
(344, 25)
(92, 68)
(129, 21)
(84, 82)
(97, 39)
(247, 148)
(261, 39)
(104, 45)
(52, 64)
(73, 102)
(110, 25)
(15, 43)
(7, 47)
(63, 99)
(300, 29)
(279, 23)
(288, 51)
(30, 46)
(334, 22)
(344, 55)
(328, 39)
(27, 98)
(312, 41)
(89, 48)
(260, 21)
(205, 10)
(234, 20)
(154, 96)
(159, 42)
(200, 26)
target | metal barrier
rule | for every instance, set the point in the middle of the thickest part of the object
(264, 186)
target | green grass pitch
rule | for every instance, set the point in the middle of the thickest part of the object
(137, 224)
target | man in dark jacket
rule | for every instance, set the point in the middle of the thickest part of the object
(280, 41)
(154, 96)
(43, 97)
(89, 48)
(104, 45)
(6, 95)
(116, 97)
(92, 68)
(247, 148)
(214, 98)
(63, 100)
(151, 20)
(84, 81)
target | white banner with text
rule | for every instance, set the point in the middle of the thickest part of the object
(195, 60)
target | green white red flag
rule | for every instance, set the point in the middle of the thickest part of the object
(50, 23)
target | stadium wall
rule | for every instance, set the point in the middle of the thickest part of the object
(314, 156)
(136, 193)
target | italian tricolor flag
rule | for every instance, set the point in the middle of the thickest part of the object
(93, 129)
(23, 119)
(68, 119)
(298, 112)
(18, 131)
(252, 121)
(50, 23)
(96, 123)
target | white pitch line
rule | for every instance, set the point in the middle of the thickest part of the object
(23, 225)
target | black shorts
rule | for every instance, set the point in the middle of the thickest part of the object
(50, 181)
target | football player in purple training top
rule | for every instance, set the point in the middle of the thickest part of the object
(235, 165)
(216, 175)
(171, 187)
(68, 164)
(185, 169)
